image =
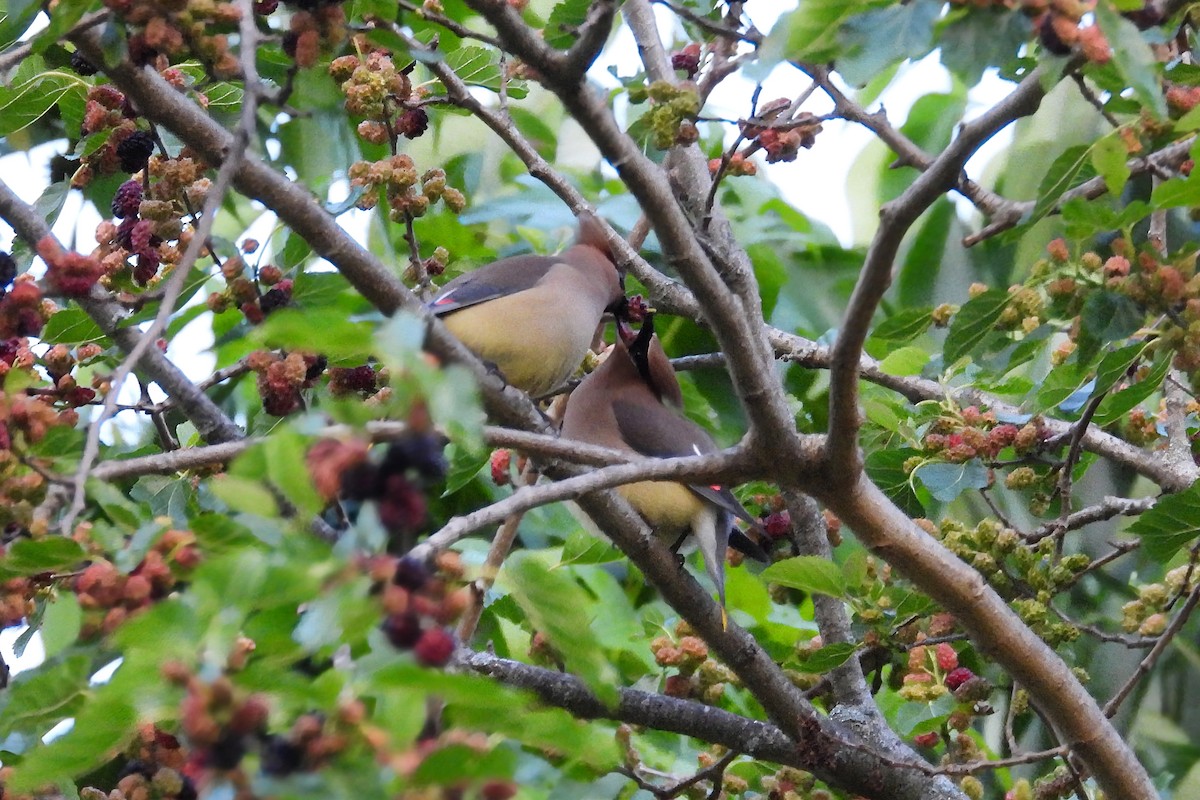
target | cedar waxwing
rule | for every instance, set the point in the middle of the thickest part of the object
(633, 402)
(534, 317)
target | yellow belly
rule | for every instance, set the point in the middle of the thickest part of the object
(669, 508)
(535, 349)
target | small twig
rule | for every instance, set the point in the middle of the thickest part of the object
(751, 34)
(1090, 96)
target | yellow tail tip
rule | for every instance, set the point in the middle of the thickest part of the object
(724, 619)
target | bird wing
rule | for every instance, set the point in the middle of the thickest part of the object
(497, 279)
(652, 429)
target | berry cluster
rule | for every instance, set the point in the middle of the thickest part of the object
(109, 597)
(398, 483)
(281, 378)
(419, 605)
(1148, 613)
(67, 272)
(697, 675)
(384, 95)
(317, 26)
(1032, 573)
(959, 435)
(394, 179)
(687, 60)
(178, 30)
(672, 113)
(780, 139)
(737, 165)
(255, 295)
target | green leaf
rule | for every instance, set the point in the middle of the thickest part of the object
(947, 481)
(916, 285)
(813, 28)
(564, 21)
(325, 331)
(865, 53)
(1067, 172)
(102, 729)
(1059, 384)
(1118, 404)
(905, 361)
(808, 573)
(71, 326)
(1171, 524)
(904, 326)
(1177, 192)
(477, 66)
(465, 464)
(1110, 159)
(38, 700)
(287, 469)
(26, 101)
(1116, 364)
(459, 762)
(1133, 58)
(981, 38)
(827, 657)
(245, 494)
(217, 533)
(33, 556)
(558, 607)
(61, 624)
(975, 320)
(582, 547)
(886, 468)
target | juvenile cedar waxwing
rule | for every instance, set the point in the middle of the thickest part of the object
(534, 317)
(633, 402)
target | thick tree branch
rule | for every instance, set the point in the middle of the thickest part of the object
(895, 218)
(738, 328)
(992, 625)
(296, 207)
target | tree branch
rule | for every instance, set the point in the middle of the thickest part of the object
(895, 218)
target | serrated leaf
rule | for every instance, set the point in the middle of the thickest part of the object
(1177, 192)
(25, 102)
(32, 556)
(1171, 524)
(564, 21)
(828, 657)
(558, 607)
(947, 481)
(813, 28)
(807, 573)
(1058, 385)
(477, 66)
(975, 320)
(321, 330)
(45, 697)
(582, 547)
(866, 54)
(1118, 404)
(1116, 364)
(1066, 172)
(102, 729)
(71, 326)
(904, 326)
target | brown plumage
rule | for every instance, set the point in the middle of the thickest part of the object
(534, 317)
(632, 402)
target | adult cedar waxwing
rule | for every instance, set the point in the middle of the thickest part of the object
(534, 317)
(632, 402)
